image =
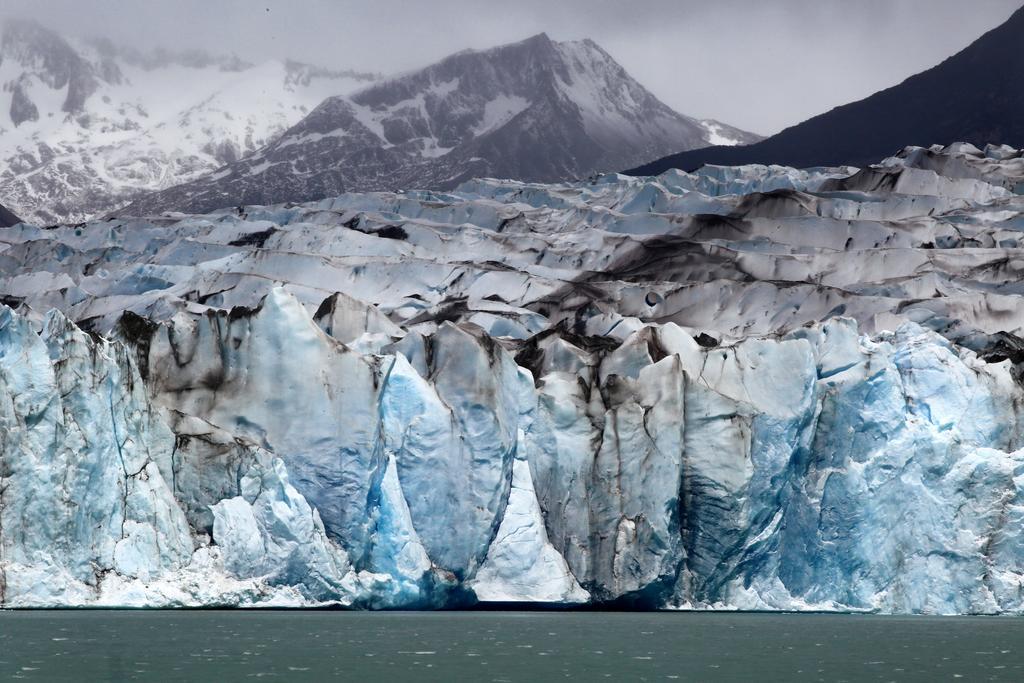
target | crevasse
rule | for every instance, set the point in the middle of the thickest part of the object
(741, 388)
(819, 470)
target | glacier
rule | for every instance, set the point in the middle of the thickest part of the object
(743, 388)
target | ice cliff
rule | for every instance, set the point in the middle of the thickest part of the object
(753, 388)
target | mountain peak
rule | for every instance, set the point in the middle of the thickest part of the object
(87, 125)
(23, 30)
(541, 37)
(27, 42)
(535, 110)
(538, 40)
(48, 58)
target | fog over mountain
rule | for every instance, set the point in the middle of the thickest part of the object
(87, 126)
(684, 51)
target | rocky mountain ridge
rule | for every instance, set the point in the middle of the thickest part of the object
(536, 110)
(973, 97)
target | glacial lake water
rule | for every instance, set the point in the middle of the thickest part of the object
(503, 646)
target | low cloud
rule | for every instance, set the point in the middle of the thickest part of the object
(759, 65)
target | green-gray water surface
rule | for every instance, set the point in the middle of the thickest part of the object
(504, 646)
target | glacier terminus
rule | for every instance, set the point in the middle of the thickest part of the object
(750, 387)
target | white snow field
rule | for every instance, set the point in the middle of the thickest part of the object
(93, 126)
(743, 388)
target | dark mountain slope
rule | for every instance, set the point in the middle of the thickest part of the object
(7, 219)
(976, 96)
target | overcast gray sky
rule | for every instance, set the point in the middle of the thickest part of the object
(757, 64)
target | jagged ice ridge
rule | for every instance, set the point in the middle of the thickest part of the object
(628, 391)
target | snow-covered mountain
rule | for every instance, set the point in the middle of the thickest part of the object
(85, 127)
(751, 387)
(537, 110)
